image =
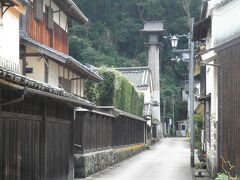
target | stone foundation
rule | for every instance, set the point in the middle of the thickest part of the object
(90, 163)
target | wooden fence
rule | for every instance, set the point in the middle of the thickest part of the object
(93, 131)
(35, 138)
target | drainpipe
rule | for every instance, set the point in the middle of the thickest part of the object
(17, 100)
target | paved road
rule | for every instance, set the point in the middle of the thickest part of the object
(167, 160)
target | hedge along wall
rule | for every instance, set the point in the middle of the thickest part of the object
(115, 90)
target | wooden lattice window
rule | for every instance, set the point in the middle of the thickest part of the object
(38, 9)
(49, 18)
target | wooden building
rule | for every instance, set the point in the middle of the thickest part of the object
(9, 33)
(40, 86)
(221, 99)
(36, 134)
(141, 77)
(44, 45)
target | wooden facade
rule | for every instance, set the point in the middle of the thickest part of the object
(56, 38)
(35, 138)
(229, 108)
(127, 131)
(94, 131)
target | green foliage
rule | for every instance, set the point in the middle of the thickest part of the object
(222, 176)
(112, 38)
(198, 119)
(115, 90)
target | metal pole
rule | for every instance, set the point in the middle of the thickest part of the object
(164, 118)
(191, 94)
(174, 130)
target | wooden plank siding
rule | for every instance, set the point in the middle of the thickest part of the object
(60, 39)
(94, 132)
(38, 31)
(229, 108)
(35, 138)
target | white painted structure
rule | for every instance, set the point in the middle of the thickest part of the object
(182, 129)
(141, 78)
(45, 57)
(225, 27)
(9, 37)
(154, 29)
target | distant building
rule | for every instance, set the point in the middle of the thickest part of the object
(141, 77)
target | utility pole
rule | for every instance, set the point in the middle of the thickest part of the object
(190, 50)
(174, 130)
(191, 94)
(164, 118)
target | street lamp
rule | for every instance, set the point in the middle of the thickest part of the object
(190, 50)
(174, 41)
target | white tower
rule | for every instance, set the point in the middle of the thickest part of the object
(154, 30)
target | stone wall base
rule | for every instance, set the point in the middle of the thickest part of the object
(90, 163)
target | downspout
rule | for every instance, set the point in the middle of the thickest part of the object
(220, 118)
(17, 100)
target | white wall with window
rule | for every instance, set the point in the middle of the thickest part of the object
(9, 38)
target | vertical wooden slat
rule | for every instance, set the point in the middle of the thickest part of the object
(93, 132)
(229, 99)
(43, 140)
(1, 146)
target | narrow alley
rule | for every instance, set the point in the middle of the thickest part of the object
(167, 160)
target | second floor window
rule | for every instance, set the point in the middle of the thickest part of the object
(49, 18)
(65, 83)
(38, 9)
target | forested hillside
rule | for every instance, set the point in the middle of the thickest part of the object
(113, 37)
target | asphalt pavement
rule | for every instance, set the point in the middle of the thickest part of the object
(169, 159)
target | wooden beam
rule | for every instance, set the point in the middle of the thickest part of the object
(23, 57)
(46, 70)
(43, 140)
(31, 54)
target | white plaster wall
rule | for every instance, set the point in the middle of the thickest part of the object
(147, 95)
(38, 65)
(82, 88)
(46, 3)
(213, 3)
(225, 23)
(9, 41)
(60, 17)
(53, 77)
(211, 87)
(63, 21)
(153, 62)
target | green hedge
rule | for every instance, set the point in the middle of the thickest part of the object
(115, 90)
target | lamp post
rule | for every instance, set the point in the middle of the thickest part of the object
(174, 41)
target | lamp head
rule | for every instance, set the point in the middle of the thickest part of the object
(174, 42)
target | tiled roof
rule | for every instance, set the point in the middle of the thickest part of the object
(41, 88)
(71, 9)
(117, 112)
(139, 76)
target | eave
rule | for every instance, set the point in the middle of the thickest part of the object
(17, 81)
(71, 9)
(67, 60)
